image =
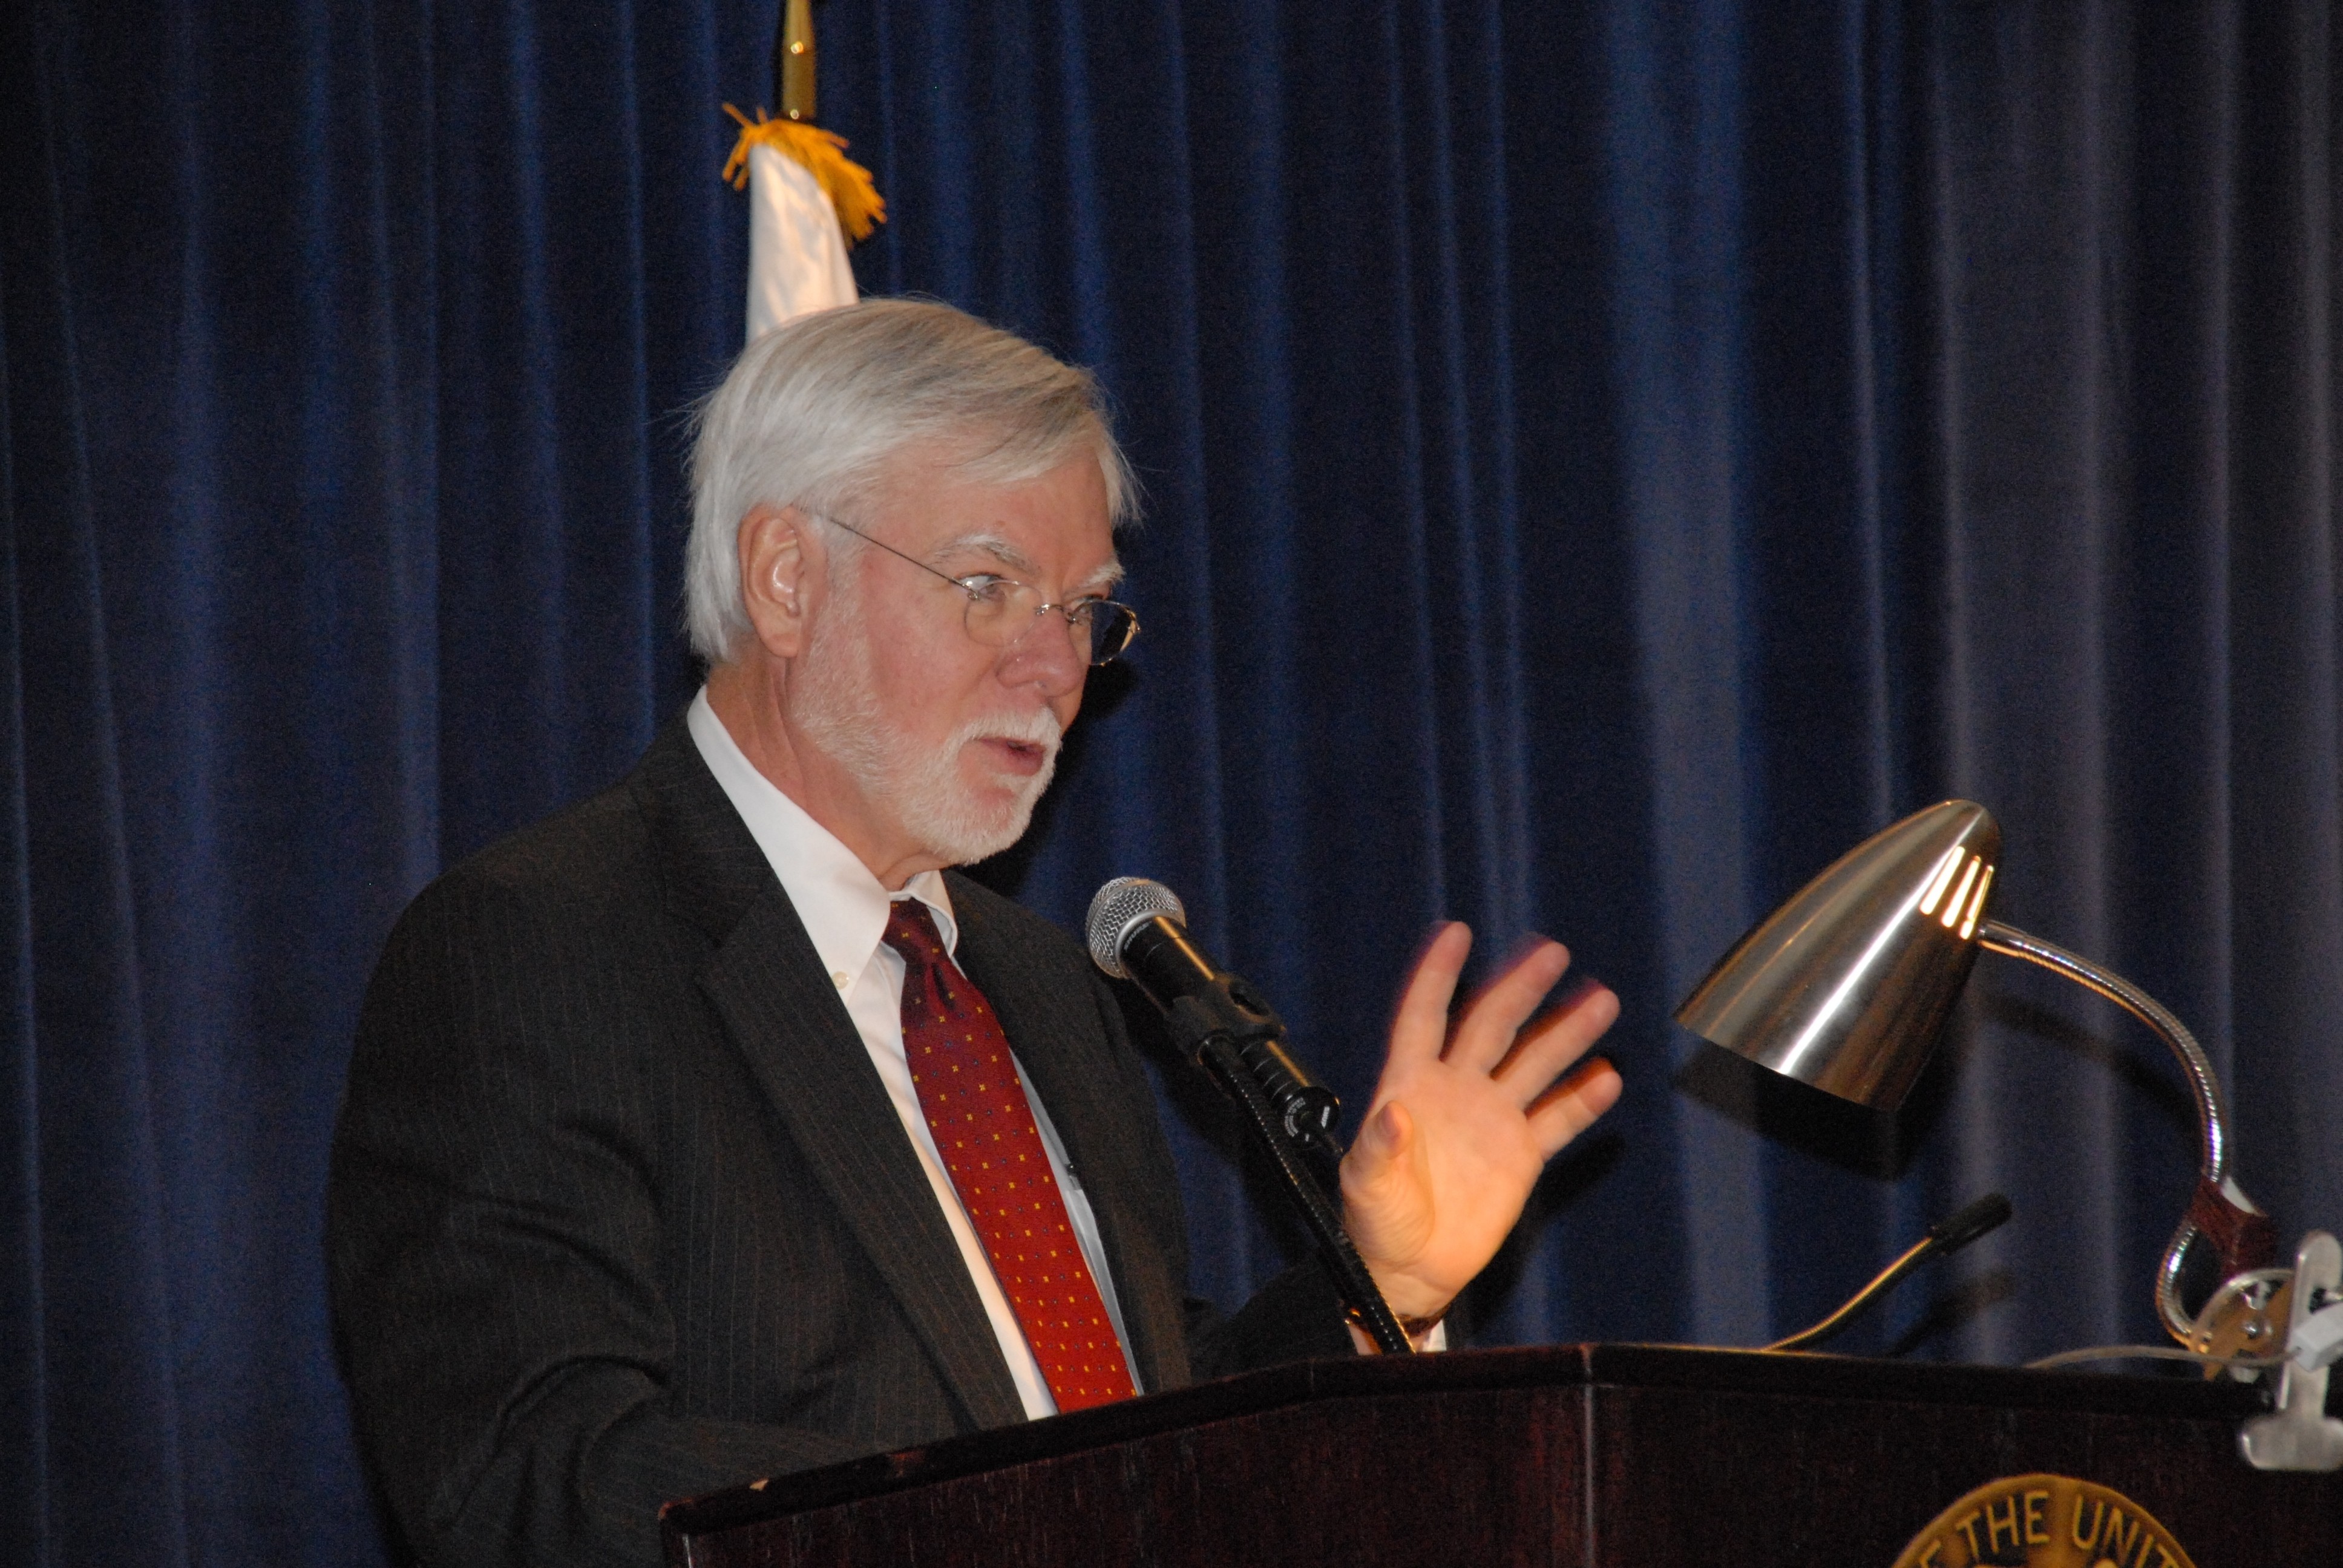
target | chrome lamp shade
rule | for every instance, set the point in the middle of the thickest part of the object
(1846, 985)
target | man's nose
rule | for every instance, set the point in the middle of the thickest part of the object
(1045, 654)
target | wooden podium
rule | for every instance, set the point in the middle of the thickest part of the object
(1596, 1456)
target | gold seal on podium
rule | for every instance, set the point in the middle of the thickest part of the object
(2044, 1521)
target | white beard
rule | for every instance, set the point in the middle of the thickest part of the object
(840, 714)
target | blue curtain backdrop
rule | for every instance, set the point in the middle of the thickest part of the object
(1604, 460)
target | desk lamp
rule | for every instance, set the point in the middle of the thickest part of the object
(1847, 987)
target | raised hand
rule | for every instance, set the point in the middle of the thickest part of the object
(1463, 1120)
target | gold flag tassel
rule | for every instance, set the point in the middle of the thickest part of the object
(846, 183)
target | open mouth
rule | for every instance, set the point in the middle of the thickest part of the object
(1024, 757)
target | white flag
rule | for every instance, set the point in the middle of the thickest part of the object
(806, 202)
(797, 256)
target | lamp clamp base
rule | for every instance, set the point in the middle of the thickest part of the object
(2299, 1434)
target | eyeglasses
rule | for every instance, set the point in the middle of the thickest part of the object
(1000, 610)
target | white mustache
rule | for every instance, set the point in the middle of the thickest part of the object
(1039, 728)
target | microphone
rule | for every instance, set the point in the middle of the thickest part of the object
(1946, 1236)
(1137, 932)
(1119, 909)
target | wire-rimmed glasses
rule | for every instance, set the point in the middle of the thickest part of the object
(1002, 609)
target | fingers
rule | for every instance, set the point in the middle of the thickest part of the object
(1550, 1045)
(1386, 1180)
(1421, 1026)
(1497, 1014)
(1492, 1038)
(1383, 1139)
(1570, 1107)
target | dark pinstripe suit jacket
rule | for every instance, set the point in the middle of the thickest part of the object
(620, 1210)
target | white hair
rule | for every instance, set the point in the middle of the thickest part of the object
(812, 413)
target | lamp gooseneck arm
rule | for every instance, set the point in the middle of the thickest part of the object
(2212, 1111)
(2220, 1211)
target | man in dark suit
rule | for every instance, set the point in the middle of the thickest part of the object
(710, 1130)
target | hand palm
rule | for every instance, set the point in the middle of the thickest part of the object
(1462, 1122)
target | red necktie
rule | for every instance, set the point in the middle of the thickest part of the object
(984, 1129)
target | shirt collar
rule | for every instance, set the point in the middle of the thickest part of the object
(843, 905)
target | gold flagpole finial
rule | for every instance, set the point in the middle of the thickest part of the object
(793, 61)
(794, 135)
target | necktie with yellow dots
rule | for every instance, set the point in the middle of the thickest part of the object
(984, 1129)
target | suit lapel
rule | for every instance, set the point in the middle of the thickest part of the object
(1051, 1021)
(783, 1013)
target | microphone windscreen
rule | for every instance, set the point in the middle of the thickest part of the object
(1957, 1230)
(1121, 905)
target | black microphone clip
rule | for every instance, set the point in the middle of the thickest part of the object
(1209, 1003)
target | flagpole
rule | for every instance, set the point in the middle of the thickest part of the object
(808, 201)
(793, 61)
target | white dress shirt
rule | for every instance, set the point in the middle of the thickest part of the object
(845, 912)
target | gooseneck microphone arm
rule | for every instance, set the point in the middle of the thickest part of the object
(1946, 1236)
(1220, 1059)
(1223, 1025)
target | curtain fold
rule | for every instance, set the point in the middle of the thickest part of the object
(95, 1416)
(1601, 461)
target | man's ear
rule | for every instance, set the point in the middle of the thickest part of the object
(775, 578)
